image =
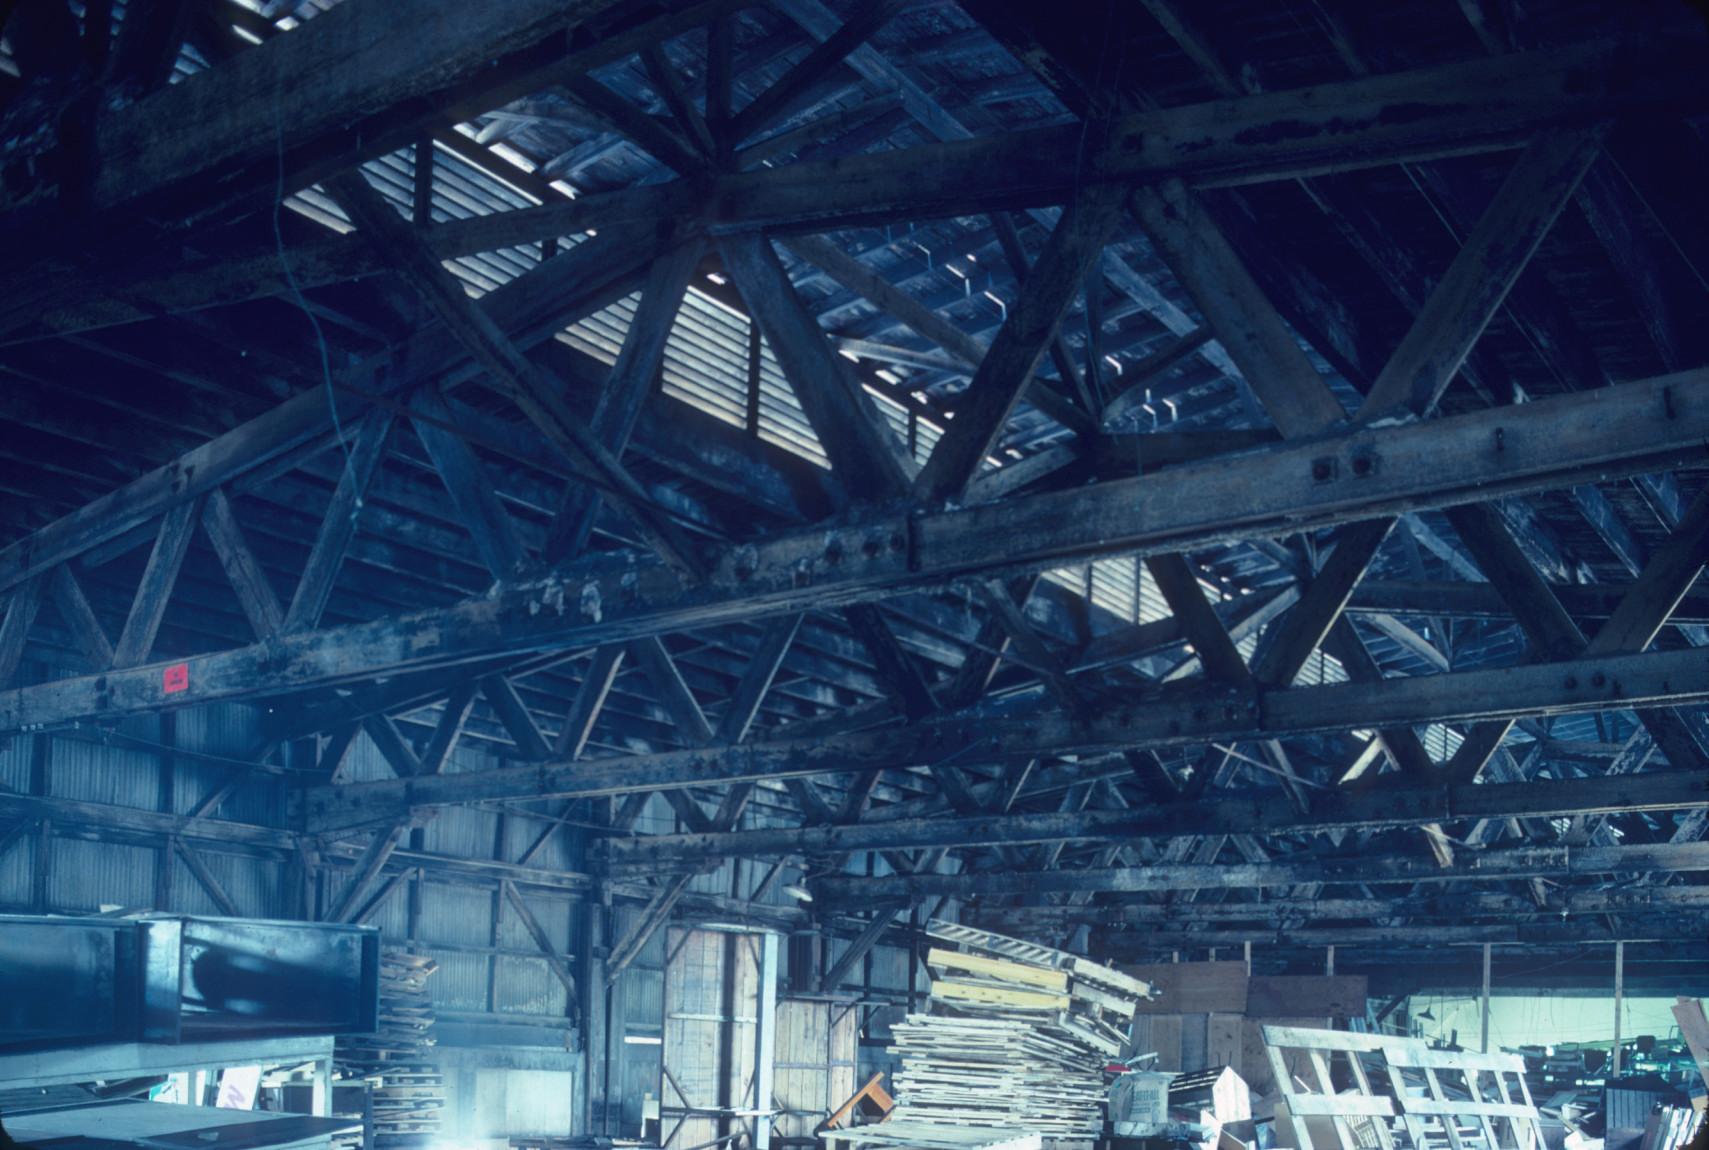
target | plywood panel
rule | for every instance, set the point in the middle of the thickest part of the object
(1166, 1040)
(1333, 996)
(1194, 987)
(1195, 1041)
(1226, 1042)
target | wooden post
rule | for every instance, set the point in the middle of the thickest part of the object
(1619, 1001)
(1485, 1046)
(321, 1092)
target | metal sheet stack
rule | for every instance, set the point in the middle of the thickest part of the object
(408, 1087)
(1017, 1038)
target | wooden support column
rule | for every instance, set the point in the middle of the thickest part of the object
(1485, 1030)
(1617, 1064)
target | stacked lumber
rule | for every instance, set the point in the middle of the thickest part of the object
(1016, 1040)
(408, 1087)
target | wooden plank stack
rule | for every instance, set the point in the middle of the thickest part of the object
(1017, 1038)
(408, 1084)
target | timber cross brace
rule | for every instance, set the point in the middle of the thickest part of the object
(1258, 491)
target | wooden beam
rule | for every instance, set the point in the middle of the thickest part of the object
(205, 878)
(661, 670)
(866, 456)
(555, 961)
(373, 73)
(1555, 862)
(1419, 803)
(338, 526)
(589, 701)
(1481, 601)
(1462, 108)
(1634, 428)
(1236, 309)
(255, 593)
(911, 313)
(1007, 367)
(448, 729)
(811, 70)
(470, 487)
(1495, 252)
(767, 660)
(858, 948)
(656, 137)
(391, 744)
(531, 307)
(1578, 686)
(899, 673)
(74, 608)
(514, 375)
(374, 858)
(159, 576)
(501, 693)
(633, 377)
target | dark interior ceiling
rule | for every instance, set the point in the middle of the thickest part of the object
(577, 514)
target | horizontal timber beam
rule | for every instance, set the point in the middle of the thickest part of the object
(1456, 109)
(1344, 477)
(1527, 862)
(1483, 601)
(1460, 906)
(1190, 718)
(1257, 815)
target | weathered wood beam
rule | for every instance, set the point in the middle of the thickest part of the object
(555, 961)
(393, 747)
(159, 576)
(632, 380)
(148, 44)
(338, 526)
(448, 729)
(1483, 105)
(1417, 804)
(363, 83)
(810, 71)
(1578, 686)
(1555, 862)
(374, 858)
(1276, 910)
(74, 608)
(900, 674)
(1481, 601)
(866, 456)
(501, 694)
(983, 410)
(1630, 429)
(859, 948)
(922, 320)
(663, 76)
(517, 377)
(1497, 249)
(1248, 326)
(470, 487)
(591, 693)
(767, 660)
(255, 593)
(205, 877)
(530, 308)
(657, 137)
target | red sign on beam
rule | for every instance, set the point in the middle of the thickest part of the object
(175, 678)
